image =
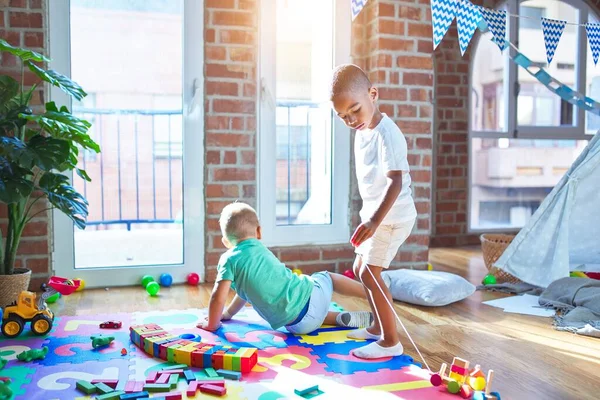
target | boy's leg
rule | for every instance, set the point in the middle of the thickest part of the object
(373, 332)
(346, 286)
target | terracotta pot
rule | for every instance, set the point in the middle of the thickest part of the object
(12, 285)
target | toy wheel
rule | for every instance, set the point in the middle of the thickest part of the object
(13, 326)
(41, 324)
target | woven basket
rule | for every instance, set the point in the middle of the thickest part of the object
(492, 246)
(12, 285)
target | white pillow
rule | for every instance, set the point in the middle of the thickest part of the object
(427, 288)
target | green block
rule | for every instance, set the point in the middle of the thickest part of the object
(211, 373)
(173, 379)
(104, 388)
(171, 352)
(175, 366)
(157, 387)
(236, 360)
(111, 396)
(86, 387)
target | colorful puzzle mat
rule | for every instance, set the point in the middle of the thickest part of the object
(285, 361)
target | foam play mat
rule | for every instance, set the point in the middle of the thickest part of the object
(285, 361)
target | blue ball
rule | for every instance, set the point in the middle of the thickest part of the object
(166, 279)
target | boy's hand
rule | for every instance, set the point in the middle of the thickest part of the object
(205, 325)
(363, 232)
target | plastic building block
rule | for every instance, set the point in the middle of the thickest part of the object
(192, 389)
(108, 382)
(86, 387)
(151, 378)
(163, 378)
(135, 396)
(306, 390)
(174, 367)
(211, 373)
(173, 379)
(233, 375)
(189, 375)
(213, 389)
(156, 387)
(103, 388)
(173, 371)
(173, 396)
(211, 382)
(111, 396)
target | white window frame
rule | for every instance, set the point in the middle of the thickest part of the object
(63, 256)
(339, 229)
(511, 83)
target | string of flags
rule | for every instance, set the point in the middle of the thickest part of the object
(469, 16)
(357, 6)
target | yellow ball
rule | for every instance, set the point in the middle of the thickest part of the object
(429, 267)
(297, 271)
(478, 383)
(81, 285)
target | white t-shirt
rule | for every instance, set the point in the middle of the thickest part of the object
(378, 151)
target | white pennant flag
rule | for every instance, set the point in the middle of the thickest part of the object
(553, 30)
(496, 21)
(468, 17)
(593, 34)
(442, 15)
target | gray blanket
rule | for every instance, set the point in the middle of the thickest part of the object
(577, 299)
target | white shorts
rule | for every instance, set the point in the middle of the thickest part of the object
(318, 305)
(381, 248)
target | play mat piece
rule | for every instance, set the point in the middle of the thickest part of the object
(285, 361)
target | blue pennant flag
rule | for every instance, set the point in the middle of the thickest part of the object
(357, 6)
(496, 22)
(467, 20)
(442, 15)
(593, 34)
(553, 30)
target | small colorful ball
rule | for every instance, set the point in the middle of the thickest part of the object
(146, 279)
(489, 280)
(349, 273)
(53, 298)
(81, 285)
(453, 387)
(478, 383)
(193, 279)
(69, 282)
(297, 271)
(166, 279)
(429, 267)
(153, 288)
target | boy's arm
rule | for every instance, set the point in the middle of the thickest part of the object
(368, 228)
(216, 304)
(234, 307)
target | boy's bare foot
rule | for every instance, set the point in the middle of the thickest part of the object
(364, 334)
(376, 350)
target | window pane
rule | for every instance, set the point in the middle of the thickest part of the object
(487, 87)
(136, 209)
(304, 120)
(592, 121)
(511, 177)
(547, 108)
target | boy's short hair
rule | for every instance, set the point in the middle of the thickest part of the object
(348, 78)
(238, 221)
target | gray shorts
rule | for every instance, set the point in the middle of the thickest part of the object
(318, 306)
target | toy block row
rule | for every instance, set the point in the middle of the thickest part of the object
(159, 343)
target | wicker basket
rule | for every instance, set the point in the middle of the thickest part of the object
(12, 285)
(492, 246)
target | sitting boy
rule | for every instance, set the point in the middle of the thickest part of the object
(282, 298)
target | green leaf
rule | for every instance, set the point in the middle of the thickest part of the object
(44, 152)
(16, 151)
(14, 186)
(59, 80)
(23, 54)
(83, 175)
(64, 197)
(9, 88)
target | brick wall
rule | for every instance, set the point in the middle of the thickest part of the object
(23, 23)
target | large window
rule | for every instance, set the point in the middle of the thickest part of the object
(524, 137)
(304, 150)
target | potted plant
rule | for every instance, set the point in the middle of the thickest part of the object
(36, 148)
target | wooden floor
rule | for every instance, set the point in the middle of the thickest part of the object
(531, 360)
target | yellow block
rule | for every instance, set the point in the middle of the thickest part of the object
(395, 387)
(228, 361)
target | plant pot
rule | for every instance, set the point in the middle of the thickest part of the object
(12, 285)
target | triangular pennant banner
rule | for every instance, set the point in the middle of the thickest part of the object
(553, 30)
(357, 6)
(593, 34)
(496, 22)
(467, 19)
(442, 15)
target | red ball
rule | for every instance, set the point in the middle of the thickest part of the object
(349, 273)
(193, 279)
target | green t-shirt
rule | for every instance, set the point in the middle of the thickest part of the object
(276, 293)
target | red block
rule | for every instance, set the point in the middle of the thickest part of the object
(108, 382)
(172, 396)
(213, 389)
(192, 388)
(198, 358)
(152, 377)
(163, 378)
(211, 382)
(249, 362)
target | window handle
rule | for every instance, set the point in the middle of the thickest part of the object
(265, 93)
(196, 95)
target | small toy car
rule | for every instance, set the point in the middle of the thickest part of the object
(111, 325)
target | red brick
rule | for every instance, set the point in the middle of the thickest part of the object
(407, 12)
(35, 4)
(222, 88)
(228, 71)
(381, 61)
(12, 37)
(18, 3)
(38, 228)
(216, 241)
(213, 157)
(447, 207)
(233, 18)
(242, 54)
(449, 79)
(217, 53)
(249, 90)
(413, 159)
(251, 123)
(9, 61)
(424, 143)
(25, 20)
(423, 224)
(227, 140)
(419, 95)
(406, 111)
(247, 5)
(422, 240)
(385, 43)
(396, 94)
(215, 207)
(299, 254)
(394, 78)
(425, 46)
(387, 108)
(37, 265)
(237, 37)
(216, 190)
(248, 157)
(417, 79)
(425, 111)
(419, 30)
(449, 230)
(234, 174)
(2, 19)
(391, 27)
(230, 157)
(423, 207)
(415, 62)
(249, 191)
(423, 176)
(415, 127)
(37, 247)
(386, 10)
(234, 106)
(212, 224)
(212, 258)
(209, 35)
(217, 122)
(426, 160)
(211, 274)
(336, 254)
(220, 4)
(34, 39)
